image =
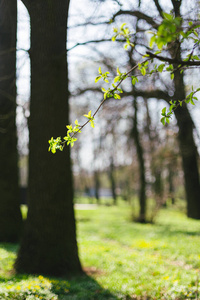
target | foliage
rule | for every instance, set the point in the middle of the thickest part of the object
(170, 30)
(132, 261)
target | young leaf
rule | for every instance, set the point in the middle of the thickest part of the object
(122, 26)
(116, 79)
(116, 96)
(97, 78)
(164, 111)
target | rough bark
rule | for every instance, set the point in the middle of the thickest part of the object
(187, 144)
(49, 243)
(188, 152)
(10, 215)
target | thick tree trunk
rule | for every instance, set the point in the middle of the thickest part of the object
(186, 140)
(10, 215)
(188, 150)
(49, 244)
(140, 155)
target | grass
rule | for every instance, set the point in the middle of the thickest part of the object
(122, 259)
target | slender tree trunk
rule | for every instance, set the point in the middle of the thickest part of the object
(158, 185)
(171, 182)
(140, 155)
(10, 215)
(112, 181)
(97, 186)
(49, 244)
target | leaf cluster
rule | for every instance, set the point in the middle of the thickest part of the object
(123, 32)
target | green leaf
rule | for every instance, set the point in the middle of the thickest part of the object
(105, 95)
(192, 102)
(116, 79)
(163, 120)
(172, 76)
(76, 122)
(143, 71)
(122, 26)
(134, 80)
(113, 38)
(88, 115)
(117, 96)
(100, 72)
(161, 67)
(167, 16)
(164, 111)
(118, 71)
(167, 120)
(92, 123)
(152, 41)
(97, 78)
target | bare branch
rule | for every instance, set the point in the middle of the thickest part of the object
(157, 4)
(157, 94)
(89, 23)
(137, 14)
(174, 60)
(89, 89)
(88, 42)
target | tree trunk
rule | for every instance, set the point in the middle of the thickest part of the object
(171, 182)
(189, 155)
(188, 149)
(97, 186)
(10, 215)
(112, 181)
(140, 155)
(49, 244)
(186, 141)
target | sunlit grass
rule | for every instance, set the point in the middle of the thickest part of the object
(124, 260)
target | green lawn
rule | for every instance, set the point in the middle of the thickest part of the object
(123, 260)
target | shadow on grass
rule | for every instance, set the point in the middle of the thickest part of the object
(86, 288)
(169, 230)
(9, 247)
(82, 287)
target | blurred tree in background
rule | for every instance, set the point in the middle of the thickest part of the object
(158, 87)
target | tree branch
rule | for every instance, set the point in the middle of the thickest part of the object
(157, 94)
(174, 60)
(158, 7)
(137, 14)
(88, 42)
